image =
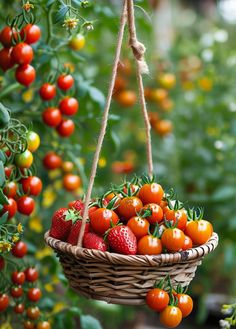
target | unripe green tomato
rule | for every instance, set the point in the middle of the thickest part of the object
(77, 42)
(24, 160)
(33, 141)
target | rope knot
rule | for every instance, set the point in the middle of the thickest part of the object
(139, 50)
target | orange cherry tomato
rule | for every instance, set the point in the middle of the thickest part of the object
(139, 226)
(188, 243)
(171, 316)
(43, 325)
(151, 193)
(129, 207)
(33, 312)
(157, 299)
(149, 245)
(199, 231)
(71, 182)
(126, 98)
(179, 216)
(173, 239)
(67, 166)
(101, 220)
(156, 213)
(185, 303)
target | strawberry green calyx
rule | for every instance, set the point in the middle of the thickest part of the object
(72, 215)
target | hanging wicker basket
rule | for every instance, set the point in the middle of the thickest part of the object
(121, 279)
(112, 277)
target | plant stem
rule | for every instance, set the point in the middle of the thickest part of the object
(9, 89)
(49, 22)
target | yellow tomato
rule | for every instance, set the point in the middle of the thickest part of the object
(167, 80)
(33, 141)
(77, 42)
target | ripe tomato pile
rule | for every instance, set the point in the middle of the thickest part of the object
(52, 161)
(20, 184)
(21, 293)
(54, 115)
(135, 218)
(173, 305)
(17, 50)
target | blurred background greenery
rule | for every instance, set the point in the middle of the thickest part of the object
(193, 135)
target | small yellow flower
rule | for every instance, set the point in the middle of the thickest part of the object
(20, 228)
(5, 325)
(54, 173)
(28, 95)
(70, 66)
(57, 185)
(55, 279)
(48, 287)
(15, 238)
(58, 307)
(188, 85)
(7, 246)
(49, 197)
(70, 23)
(42, 253)
(102, 162)
(27, 6)
(35, 224)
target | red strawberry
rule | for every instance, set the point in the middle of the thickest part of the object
(74, 232)
(62, 221)
(78, 205)
(122, 240)
(94, 241)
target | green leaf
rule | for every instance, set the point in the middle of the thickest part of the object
(2, 174)
(97, 96)
(4, 116)
(224, 193)
(4, 218)
(50, 2)
(59, 17)
(89, 322)
(2, 156)
(3, 198)
(116, 141)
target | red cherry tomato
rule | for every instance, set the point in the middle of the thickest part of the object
(25, 205)
(33, 313)
(156, 213)
(10, 189)
(29, 324)
(52, 116)
(157, 299)
(149, 245)
(173, 239)
(71, 182)
(185, 303)
(31, 274)
(65, 81)
(32, 185)
(6, 36)
(16, 292)
(31, 33)
(129, 207)
(18, 277)
(66, 128)
(34, 294)
(11, 208)
(6, 61)
(69, 106)
(101, 220)
(8, 171)
(47, 91)
(4, 302)
(25, 74)
(188, 243)
(22, 54)
(151, 193)
(19, 250)
(139, 226)
(171, 316)
(19, 308)
(52, 161)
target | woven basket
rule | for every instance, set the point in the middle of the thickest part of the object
(121, 279)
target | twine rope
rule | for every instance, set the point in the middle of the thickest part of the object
(141, 68)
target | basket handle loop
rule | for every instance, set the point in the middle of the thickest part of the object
(141, 68)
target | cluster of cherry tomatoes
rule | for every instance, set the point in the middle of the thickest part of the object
(21, 294)
(18, 51)
(160, 98)
(173, 305)
(122, 95)
(52, 161)
(56, 116)
(139, 218)
(20, 185)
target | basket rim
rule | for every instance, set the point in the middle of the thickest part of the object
(148, 260)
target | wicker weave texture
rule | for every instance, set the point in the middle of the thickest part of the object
(121, 279)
